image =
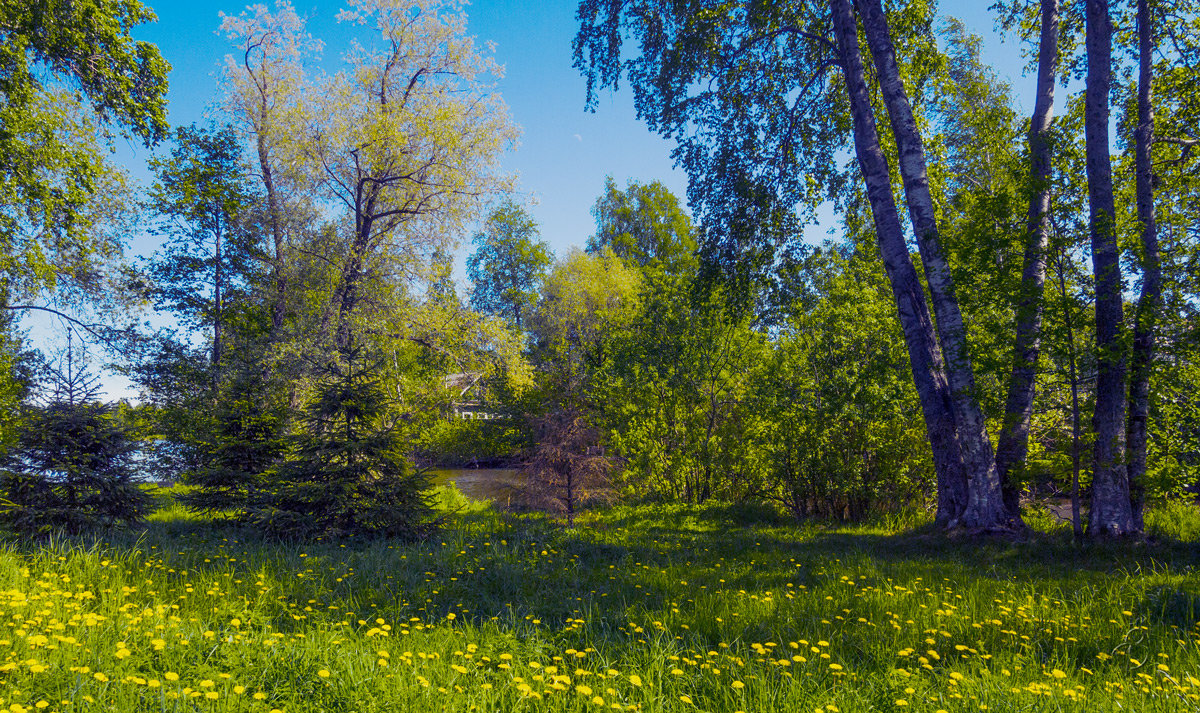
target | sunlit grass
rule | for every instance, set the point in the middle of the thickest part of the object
(638, 608)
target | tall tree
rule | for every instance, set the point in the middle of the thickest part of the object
(70, 73)
(406, 141)
(1149, 302)
(1111, 511)
(201, 195)
(263, 85)
(644, 224)
(1018, 409)
(508, 264)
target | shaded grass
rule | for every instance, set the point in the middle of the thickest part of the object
(639, 608)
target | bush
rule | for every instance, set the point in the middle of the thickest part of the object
(71, 470)
(349, 473)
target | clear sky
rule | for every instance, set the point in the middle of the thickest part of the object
(564, 152)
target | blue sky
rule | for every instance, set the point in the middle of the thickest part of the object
(564, 152)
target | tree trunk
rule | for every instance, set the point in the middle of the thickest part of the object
(985, 501)
(275, 219)
(218, 303)
(1073, 375)
(1018, 408)
(346, 297)
(923, 353)
(1111, 512)
(1150, 299)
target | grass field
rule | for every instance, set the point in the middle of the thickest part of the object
(646, 609)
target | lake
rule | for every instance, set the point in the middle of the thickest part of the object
(495, 484)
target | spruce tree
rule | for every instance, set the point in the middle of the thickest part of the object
(72, 468)
(244, 438)
(349, 473)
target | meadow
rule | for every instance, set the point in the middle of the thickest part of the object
(649, 608)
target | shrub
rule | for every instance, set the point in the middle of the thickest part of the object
(348, 473)
(71, 470)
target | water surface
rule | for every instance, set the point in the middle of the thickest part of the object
(495, 484)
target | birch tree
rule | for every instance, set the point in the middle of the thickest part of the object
(1150, 299)
(985, 504)
(1018, 409)
(1111, 512)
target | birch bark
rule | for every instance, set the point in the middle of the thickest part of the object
(985, 509)
(1018, 408)
(923, 352)
(1151, 296)
(1111, 512)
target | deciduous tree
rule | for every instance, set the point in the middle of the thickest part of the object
(508, 263)
(405, 141)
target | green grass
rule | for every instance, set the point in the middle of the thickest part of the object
(637, 608)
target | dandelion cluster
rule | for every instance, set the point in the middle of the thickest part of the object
(628, 613)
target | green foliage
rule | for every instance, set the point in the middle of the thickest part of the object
(586, 299)
(87, 44)
(677, 396)
(508, 263)
(15, 381)
(201, 196)
(57, 193)
(841, 433)
(349, 471)
(71, 469)
(644, 225)
(767, 128)
(1174, 443)
(465, 442)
